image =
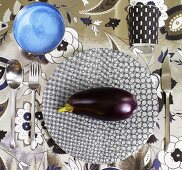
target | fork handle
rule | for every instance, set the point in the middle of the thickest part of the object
(33, 121)
(13, 105)
(167, 121)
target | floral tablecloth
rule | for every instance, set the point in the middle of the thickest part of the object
(89, 24)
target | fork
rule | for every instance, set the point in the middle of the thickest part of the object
(33, 85)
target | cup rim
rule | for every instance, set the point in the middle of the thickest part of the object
(143, 44)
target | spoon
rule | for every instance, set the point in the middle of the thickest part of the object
(14, 78)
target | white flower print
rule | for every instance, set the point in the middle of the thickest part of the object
(69, 45)
(85, 2)
(94, 28)
(97, 22)
(75, 19)
(23, 127)
(172, 158)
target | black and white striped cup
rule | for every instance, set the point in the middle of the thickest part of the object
(143, 27)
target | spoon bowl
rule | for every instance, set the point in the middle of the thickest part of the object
(14, 74)
(14, 78)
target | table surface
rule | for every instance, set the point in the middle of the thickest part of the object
(84, 30)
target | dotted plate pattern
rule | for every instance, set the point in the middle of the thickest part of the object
(86, 138)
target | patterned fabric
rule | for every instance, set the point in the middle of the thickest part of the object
(89, 24)
(173, 26)
(92, 140)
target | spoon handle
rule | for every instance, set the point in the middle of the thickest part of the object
(13, 104)
(33, 121)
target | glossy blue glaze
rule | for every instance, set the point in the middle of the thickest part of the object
(39, 28)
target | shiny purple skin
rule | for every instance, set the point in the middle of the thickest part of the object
(104, 103)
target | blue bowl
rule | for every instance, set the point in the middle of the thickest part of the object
(39, 28)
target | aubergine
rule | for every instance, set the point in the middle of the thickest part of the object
(104, 103)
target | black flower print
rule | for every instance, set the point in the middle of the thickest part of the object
(43, 125)
(29, 134)
(27, 116)
(151, 3)
(26, 126)
(3, 83)
(2, 134)
(2, 165)
(152, 139)
(39, 115)
(62, 46)
(3, 106)
(139, 3)
(177, 155)
(3, 25)
(113, 23)
(51, 142)
(173, 25)
(56, 148)
(2, 71)
(86, 21)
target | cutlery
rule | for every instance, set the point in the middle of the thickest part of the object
(166, 88)
(33, 85)
(14, 78)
